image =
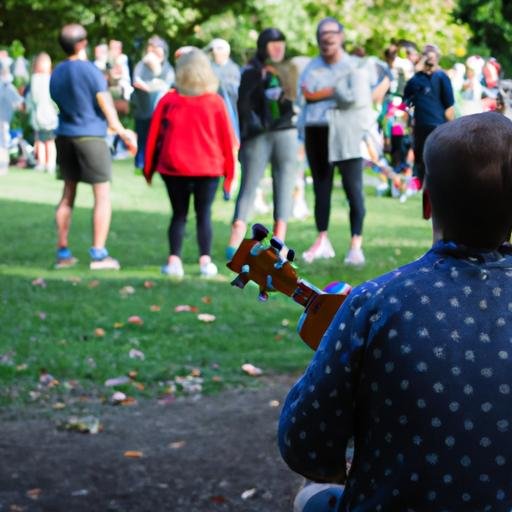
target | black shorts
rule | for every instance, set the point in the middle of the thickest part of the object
(85, 159)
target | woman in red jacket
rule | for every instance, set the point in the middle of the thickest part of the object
(191, 145)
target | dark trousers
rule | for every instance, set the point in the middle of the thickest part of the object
(142, 130)
(420, 136)
(180, 190)
(322, 172)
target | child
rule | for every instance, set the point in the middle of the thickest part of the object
(416, 366)
(43, 114)
(191, 144)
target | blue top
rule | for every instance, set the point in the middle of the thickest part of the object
(416, 367)
(431, 95)
(73, 86)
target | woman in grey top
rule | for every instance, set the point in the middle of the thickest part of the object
(337, 90)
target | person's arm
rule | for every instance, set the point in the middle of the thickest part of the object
(229, 145)
(320, 95)
(152, 148)
(317, 419)
(106, 104)
(447, 97)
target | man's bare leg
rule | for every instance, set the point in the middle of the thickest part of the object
(64, 213)
(102, 214)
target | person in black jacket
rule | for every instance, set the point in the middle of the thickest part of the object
(267, 132)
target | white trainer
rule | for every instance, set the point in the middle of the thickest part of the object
(208, 269)
(324, 250)
(107, 263)
(355, 258)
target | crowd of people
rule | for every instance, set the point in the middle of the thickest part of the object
(338, 110)
(414, 370)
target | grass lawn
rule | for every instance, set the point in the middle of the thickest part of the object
(74, 323)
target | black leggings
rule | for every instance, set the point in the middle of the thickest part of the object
(420, 136)
(179, 190)
(322, 171)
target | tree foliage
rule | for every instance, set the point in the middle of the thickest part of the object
(369, 23)
(491, 22)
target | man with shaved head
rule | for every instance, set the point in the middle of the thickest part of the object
(416, 367)
(86, 111)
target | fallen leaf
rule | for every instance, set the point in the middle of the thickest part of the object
(206, 300)
(129, 400)
(74, 280)
(34, 494)
(149, 284)
(80, 492)
(133, 454)
(136, 354)
(127, 290)
(117, 397)
(177, 445)
(252, 370)
(21, 367)
(196, 372)
(154, 307)
(117, 381)
(132, 374)
(118, 325)
(94, 283)
(249, 493)
(206, 317)
(183, 308)
(274, 403)
(41, 315)
(39, 282)
(99, 332)
(47, 380)
(135, 320)
(139, 386)
(217, 378)
(285, 322)
(85, 424)
(58, 406)
(218, 499)
(167, 400)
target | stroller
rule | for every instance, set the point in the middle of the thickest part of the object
(21, 153)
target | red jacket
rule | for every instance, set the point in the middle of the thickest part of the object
(191, 136)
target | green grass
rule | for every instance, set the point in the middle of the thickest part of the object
(53, 327)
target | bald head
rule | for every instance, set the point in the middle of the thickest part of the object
(72, 38)
(469, 177)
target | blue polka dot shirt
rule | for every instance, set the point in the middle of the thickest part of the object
(416, 369)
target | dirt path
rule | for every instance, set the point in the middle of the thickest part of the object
(197, 456)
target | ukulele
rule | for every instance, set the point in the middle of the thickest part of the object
(264, 264)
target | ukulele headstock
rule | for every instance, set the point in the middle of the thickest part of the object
(263, 263)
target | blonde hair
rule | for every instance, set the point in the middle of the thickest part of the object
(195, 75)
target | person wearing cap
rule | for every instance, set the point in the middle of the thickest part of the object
(153, 76)
(228, 73)
(338, 90)
(429, 92)
(86, 110)
(268, 134)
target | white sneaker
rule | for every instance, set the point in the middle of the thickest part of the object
(323, 250)
(355, 258)
(208, 269)
(107, 263)
(174, 269)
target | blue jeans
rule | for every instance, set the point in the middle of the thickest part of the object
(279, 148)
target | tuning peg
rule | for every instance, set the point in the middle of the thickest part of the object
(276, 243)
(290, 255)
(259, 232)
(263, 296)
(239, 282)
